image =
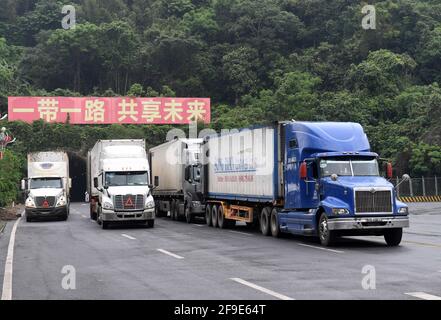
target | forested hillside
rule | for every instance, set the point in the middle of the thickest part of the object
(258, 60)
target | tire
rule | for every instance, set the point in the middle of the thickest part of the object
(188, 216)
(208, 221)
(93, 215)
(28, 219)
(274, 223)
(326, 236)
(105, 225)
(177, 216)
(214, 216)
(393, 237)
(64, 218)
(172, 209)
(265, 221)
(150, 223)
(221, 221)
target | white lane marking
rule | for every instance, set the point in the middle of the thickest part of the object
(170, 254)
(83, 216)
(262, 289)
(423, 295)
(127, 236)
(7, 279)
(320, 248)
(200, 225)
(239, 232)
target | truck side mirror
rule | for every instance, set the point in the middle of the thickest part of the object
(303, 171)
(23, 184)
(389, 170)
(95, 182)
(156, 182)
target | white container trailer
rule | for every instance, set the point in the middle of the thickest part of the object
(177, 184)
(47, 185)
(118, 182)
(241, 165)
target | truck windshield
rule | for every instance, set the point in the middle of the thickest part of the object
(133, 178)
(349, 167)
(40, 183)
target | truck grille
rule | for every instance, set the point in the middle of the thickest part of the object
(129, 202)
(45, 202)
(373, 202)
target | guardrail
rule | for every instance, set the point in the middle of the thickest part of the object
(422, 189)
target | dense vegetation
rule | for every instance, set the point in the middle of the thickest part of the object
(259, 61)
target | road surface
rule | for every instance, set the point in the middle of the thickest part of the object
(176, 260)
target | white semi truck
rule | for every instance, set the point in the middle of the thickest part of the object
(47, 185)
(176, 172)
(118, 183)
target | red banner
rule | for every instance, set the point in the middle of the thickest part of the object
(98, 110)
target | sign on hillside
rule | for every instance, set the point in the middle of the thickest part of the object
(98, 110)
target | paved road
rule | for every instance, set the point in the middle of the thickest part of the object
(175, 260)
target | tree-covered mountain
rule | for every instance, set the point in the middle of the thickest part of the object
(258, 60)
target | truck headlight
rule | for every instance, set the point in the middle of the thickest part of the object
(339, 211)
(61, 201)
(108, 205)
(150, 203)
(30, 203)
(403, 210)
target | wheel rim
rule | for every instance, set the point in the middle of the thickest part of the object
(324, 231)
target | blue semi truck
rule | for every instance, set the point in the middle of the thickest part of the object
(306, 178)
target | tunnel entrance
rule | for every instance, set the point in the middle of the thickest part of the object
(77, 172)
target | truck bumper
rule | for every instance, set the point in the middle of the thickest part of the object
(109, 215)
(366, 223)
(46, 212)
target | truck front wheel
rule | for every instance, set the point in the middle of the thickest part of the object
(93, 214)
(188, 217)
(265, 221)
(275, 230)
(150, 223)
(393, 237)
(327, 237)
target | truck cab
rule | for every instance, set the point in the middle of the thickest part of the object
(47, 186)
(333, 185)
(121, 190)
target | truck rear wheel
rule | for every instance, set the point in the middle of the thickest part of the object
(221, 222)
(265, 221)
(393, 237)
(214, 216)
(275, 229)
(327, 237)
(208, 221)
